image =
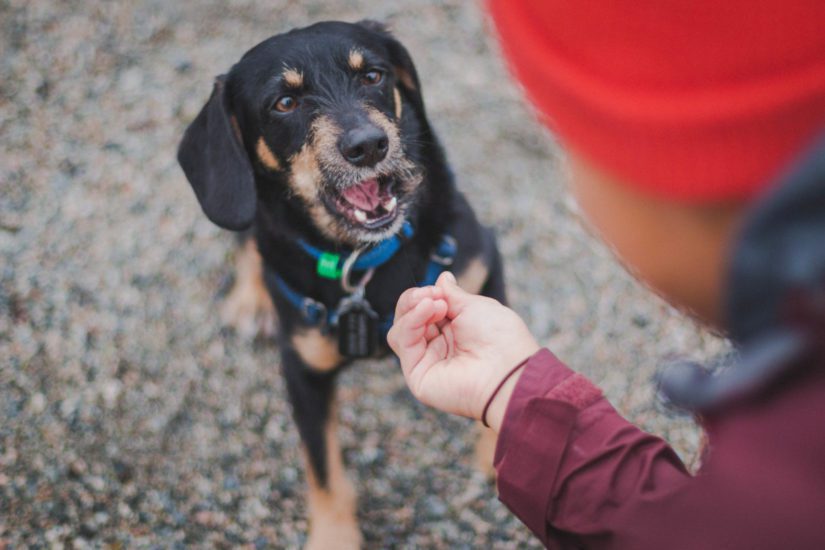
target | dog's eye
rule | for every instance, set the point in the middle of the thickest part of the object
(285, 104)
(372, 77)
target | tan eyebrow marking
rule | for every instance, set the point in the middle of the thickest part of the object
(356, 59)
(293, 77)
(266, 155)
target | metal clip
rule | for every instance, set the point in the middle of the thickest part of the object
(345, 273)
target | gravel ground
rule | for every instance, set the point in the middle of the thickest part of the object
(128, 416)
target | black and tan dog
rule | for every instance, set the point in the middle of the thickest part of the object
(317, 142)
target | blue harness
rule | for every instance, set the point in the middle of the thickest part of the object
(330, 265)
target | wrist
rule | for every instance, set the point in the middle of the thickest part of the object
(499, 397)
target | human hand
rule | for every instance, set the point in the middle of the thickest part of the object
(456, 347)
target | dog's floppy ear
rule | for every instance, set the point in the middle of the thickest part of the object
(215, 163)
(402, 63)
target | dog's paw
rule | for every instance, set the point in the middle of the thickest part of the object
(344, 535)
(249, 310)
(333, 521)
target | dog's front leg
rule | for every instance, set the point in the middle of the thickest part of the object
(331, 499)
(248, 308)
(484, 274)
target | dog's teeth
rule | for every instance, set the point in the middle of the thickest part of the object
(360, 215)
(389, 206)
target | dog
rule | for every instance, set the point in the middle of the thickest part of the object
(316, 148)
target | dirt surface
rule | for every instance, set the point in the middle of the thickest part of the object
(128, 416)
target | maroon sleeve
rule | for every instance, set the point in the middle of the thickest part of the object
(567, 461)
(580, 476)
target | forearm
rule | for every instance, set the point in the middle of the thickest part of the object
(567, 460)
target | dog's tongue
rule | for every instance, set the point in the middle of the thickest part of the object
(364, 195)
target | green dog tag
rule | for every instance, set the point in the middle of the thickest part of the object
(328, 265)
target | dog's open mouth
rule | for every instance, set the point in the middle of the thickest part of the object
(370, 204)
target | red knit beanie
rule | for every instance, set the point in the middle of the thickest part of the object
(695, 101)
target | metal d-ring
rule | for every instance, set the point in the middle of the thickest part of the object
(349, 263)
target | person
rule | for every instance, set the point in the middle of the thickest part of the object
(692, 135)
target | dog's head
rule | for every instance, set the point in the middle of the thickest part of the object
(331, 113)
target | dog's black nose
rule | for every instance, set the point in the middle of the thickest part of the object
(364, 146)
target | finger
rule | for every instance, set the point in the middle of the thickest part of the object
(437, 350)
(446, 277)
(412, 296)
(457, 298)
(424, 313)
(405, 302)
(407, 336)
(449, 337)
(416, 347)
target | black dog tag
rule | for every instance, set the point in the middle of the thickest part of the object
(357, 328)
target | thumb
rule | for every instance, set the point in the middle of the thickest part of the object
(457, 298)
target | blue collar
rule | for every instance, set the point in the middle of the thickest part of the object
(330, 264)
(315, 313)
